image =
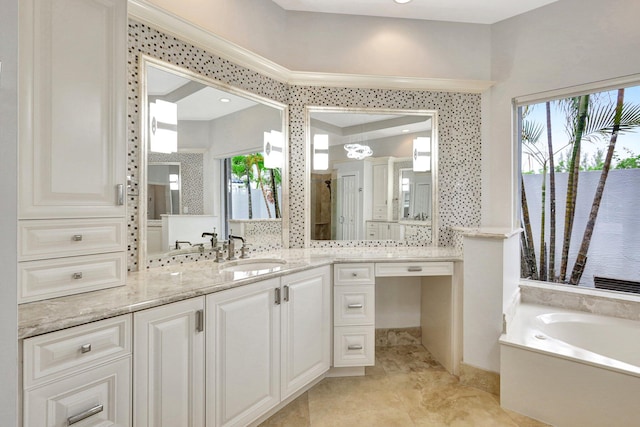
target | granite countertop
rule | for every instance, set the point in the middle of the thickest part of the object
(163, 285)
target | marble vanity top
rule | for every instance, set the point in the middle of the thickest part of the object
(163, 285)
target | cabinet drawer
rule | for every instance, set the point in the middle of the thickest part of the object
(379, 212)
(394, 269)
(63, 352)
(66, 276)
(100, 396)
(353, 346)
(353, 274)
(61, 238)
(354, 305)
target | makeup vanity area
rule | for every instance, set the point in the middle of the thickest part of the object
(185, 340)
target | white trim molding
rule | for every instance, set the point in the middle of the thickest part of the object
(169, 23)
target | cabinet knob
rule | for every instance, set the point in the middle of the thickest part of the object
(77, 238)
(77, 275)
(354, 274)
(85, 348)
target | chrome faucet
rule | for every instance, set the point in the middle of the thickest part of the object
(232, 248)
(214, 238)
(181, 241)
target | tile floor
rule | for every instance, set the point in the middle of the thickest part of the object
(406, 387)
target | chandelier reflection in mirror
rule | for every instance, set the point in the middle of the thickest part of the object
(358, 151)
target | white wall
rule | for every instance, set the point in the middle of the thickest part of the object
(564, 44)
(386, 46)
(302, 41)
(257, 25)
(8, 212)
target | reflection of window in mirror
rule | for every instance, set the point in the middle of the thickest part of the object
(254, 191)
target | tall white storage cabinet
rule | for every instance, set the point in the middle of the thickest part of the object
(169, 359)
(72, 156)
(266, 341)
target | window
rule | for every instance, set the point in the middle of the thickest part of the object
(580, 189)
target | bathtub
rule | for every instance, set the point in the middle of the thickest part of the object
(571, 368)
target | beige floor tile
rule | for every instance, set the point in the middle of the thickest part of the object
(295, 414)
(523, 421)
(370, 418)
(407, 387)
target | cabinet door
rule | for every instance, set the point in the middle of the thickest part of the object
(243, 353)
(306, 328)
(72, 158)
(169, 365)
(380, 191)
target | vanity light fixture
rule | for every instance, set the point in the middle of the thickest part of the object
(358, 151)
(163, 127)
(422, 154)
(321, 152)
(273, 149)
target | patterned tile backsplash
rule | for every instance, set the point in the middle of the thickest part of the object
(458, 120)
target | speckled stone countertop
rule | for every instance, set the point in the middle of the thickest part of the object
(163, 285)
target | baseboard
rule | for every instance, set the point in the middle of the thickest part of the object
(480, 379)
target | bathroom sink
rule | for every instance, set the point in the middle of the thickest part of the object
(253, 265)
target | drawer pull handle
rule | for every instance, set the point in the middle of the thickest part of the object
(354, 306)
(86, 414)
(414, 269)
(199, 320)
(77, 238)
(120, 196)
(77, 275)
(354, 347)
(85, 348)
(354, 274)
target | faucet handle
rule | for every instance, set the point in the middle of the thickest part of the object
(243, 251)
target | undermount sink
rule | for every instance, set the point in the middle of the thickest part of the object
(251, 265)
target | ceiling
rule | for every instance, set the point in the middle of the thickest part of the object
(195, 101)
(469, 11)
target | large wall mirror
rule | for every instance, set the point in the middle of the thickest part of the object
(372, 175)
(214, 162)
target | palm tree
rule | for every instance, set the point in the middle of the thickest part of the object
(275, 179)
(579, 105)
(608, 122)
(241, 169)
(552, 199)
(255, 162)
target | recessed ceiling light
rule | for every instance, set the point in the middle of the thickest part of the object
(405, 130)
(402, 1)
(225, 100)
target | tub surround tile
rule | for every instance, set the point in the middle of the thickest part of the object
(607, 303)
(163, 285)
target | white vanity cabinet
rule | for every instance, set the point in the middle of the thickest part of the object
(265, 341)
(353, 315)
(72, 151)
(384, 230)
(80, 375)
(168, 365)
(306, 328)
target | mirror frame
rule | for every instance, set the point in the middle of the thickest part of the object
(143, 62)
(309, 109)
